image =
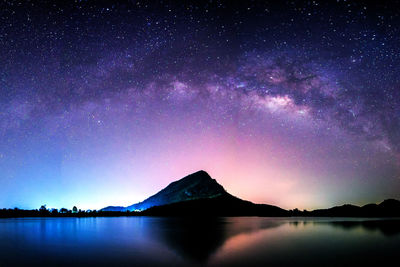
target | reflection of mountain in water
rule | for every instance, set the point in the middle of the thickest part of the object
(197, 239)
(386, 227)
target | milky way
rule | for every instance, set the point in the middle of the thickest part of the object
(295, 104)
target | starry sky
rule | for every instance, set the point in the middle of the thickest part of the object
(291, 103)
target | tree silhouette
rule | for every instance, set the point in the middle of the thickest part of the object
(63, 210)
(43, 208)
(54, 211)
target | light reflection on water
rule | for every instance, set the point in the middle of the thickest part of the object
(249, 241)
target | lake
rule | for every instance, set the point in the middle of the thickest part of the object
(240, 241)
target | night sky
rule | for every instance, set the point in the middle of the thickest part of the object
(290, 103)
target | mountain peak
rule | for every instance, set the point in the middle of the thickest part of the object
(195, 177)
(200, 173)
(390, 203)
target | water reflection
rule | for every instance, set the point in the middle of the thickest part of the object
(156, 241)
(314, 242)
(217, 241)
(386, 227)
(199, 238)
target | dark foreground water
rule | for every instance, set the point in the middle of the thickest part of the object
(149, 241)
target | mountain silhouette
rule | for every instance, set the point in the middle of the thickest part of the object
(194, 186)
(199, 194)
(388, 208)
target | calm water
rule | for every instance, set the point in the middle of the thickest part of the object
(138, 241)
